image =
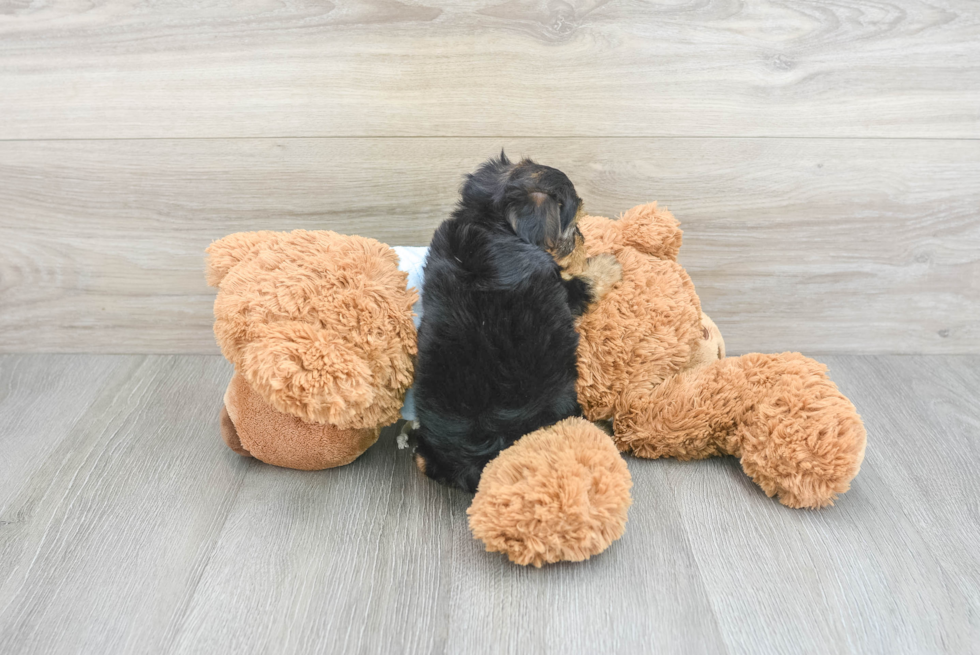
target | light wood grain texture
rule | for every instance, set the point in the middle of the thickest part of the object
(815, 245)
(40, 406)
(137, 531)
(938, 403)
(490, 68)
(898, 544)
(105, 540)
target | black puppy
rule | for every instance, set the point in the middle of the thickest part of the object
(497, 340)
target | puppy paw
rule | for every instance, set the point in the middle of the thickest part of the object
(602, 273)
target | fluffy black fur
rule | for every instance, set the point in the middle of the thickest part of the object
(497, 341)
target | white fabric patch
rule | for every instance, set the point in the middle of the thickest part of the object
(411, 259)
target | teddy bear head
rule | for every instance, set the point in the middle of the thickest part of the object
(318, 324)
(649, 327)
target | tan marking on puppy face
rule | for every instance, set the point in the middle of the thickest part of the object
(567, 240)
(573, 263)
(420, 463)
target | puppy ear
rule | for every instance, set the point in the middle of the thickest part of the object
(487, 182)
(536, 220)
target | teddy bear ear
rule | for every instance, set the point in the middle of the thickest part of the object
(651, 230)
(224, 254)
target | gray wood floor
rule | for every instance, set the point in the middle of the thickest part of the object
(126, 526)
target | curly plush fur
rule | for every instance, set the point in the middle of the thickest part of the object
(646, 328)
(652, 362)
(798, 437)
(318, 323)
(560, 493)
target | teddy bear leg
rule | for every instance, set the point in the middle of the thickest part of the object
(227, 418)
(273, 437)
(803, 440)
(230, 434)
(689, 416)
(797, 436)
(558, 494)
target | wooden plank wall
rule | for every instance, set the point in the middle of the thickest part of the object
(824, 158)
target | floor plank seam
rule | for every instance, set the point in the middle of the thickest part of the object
(229, 503)
(675, 508)
(383, 523)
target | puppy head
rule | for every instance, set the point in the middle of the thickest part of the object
(538, 203)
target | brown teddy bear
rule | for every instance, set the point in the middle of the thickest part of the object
(319, 327)
(651, 361)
